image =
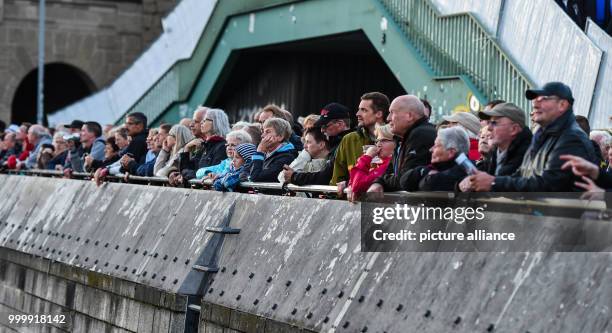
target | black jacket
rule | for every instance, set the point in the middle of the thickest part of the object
(138, 150)
(514, 156)
(605, 180)
(212, 152)
(266, 169)
(541, 167)
(447, 176)
(600, 159)
(323, 176)
(412, 151)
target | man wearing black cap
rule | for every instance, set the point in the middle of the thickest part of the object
(557, 135)
(75, 126)
(334, 123)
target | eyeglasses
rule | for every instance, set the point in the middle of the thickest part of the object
(383, 140)
(330, 123)
(494, 123)
(207, 119)
(545, 98)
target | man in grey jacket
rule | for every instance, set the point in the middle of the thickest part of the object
(38, 136)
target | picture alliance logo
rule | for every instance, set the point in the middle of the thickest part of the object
(412, 214)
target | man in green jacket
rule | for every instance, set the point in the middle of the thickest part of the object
(373, 110)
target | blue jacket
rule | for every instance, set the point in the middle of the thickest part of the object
(266, 169)
(219, 169)
(146, 169)
(230, 180)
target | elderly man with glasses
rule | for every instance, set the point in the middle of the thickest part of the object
(558, 134)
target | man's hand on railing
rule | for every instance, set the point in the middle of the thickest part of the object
(376, 188)
(175, 178)
(341, 187)
(100, 175)
(67, 173)
(288, 173)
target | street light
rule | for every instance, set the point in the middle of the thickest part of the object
(40, 111)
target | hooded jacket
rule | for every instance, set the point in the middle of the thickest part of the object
(540, 170)
(266, 168)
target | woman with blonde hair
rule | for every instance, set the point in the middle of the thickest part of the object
(372, 164)
(167, 160)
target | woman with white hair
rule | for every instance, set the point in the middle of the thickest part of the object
(167, 160)
(233, 139)
(211, 151)
(443, 174)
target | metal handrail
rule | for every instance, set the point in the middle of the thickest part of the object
(321, 189)
(458, 44)
(549, 200)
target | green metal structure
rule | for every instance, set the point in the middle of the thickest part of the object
(450, 60)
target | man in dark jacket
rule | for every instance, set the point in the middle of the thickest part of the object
(510, 137)
(558, 135)
(334, 123)
(414, 135)
(136, 151)
(443, 173)
(274, 151)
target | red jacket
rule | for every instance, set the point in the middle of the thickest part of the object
(474, 155)
(364, 173)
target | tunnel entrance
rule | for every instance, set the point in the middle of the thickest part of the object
(303, 76)
(64, 84)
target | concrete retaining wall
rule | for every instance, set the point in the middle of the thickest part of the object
(295, 266)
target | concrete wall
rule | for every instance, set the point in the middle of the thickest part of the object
(101, 38)
(296, 265)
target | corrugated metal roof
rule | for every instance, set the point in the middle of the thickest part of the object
(601, 109)
(182, 29)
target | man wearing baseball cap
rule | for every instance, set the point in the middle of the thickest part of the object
(75, 126)
(509, 135)
(558, 134)
(335, 124)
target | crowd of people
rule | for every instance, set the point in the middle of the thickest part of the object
(393, 147)
(599, 11)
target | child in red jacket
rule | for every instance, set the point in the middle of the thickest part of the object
(372, 164)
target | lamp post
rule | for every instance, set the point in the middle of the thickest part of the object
(40, 111)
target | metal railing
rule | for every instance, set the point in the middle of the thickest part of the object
(458, 44)
(194, 183)
(561, 200)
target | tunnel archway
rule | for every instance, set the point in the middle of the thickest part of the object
(303, 76)
(64, 85)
